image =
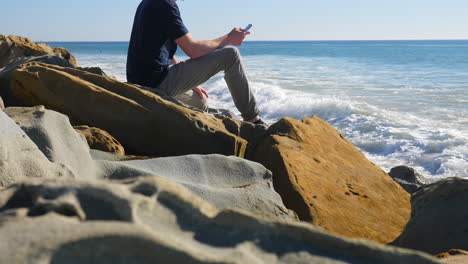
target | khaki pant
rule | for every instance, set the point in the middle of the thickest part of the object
(188, 74)
(191, 98)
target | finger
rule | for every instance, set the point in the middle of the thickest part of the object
(205, 93)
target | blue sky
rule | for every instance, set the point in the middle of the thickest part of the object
(111, 20)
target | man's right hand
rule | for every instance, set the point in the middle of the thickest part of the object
(236, 36)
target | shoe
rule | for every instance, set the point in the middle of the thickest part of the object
(260, 122)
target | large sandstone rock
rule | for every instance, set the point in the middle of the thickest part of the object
(20, 158)
(226, 182)
(100, 140)
(13, 47)
(328, 182)
(5, 76)
(153, 220)
(142, 121)
(439, 218)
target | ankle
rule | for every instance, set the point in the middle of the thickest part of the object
(253, 119)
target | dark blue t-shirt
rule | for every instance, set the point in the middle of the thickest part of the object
(152, 45)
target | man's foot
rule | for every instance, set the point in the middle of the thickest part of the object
(260, 122)
(257, 121)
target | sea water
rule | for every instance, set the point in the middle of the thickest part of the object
(400, 102)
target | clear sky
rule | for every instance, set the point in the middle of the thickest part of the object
(111, 20)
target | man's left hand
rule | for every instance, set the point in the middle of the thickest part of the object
(201, 92)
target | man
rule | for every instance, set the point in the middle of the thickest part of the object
(157, 31)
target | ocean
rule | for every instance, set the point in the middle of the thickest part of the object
(400, 102)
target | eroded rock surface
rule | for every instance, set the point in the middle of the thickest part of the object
(100, 140)
(142, 121)
(9, 97)
(55, 137)
(20, 158)
(154, 220)
(328, 182)
(13, 47)
(439, 218)
(226, 182)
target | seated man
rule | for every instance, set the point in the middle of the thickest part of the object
(158, 30)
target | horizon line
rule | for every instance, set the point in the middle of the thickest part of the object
(90, 41)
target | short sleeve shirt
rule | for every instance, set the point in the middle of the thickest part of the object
(156, 26)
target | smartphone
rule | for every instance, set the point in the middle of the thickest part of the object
(247, 27)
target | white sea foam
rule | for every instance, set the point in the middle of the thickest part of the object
(393, 123)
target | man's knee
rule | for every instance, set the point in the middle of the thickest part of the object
(231, 51)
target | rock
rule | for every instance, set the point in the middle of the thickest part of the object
(5, 76)
(407, 177)
(2, 105)
(439, 218)
(227, 182)
(56, 138)
(459, 259)
(452, 252)
(407, 174)
(328, 182)
(93, 70)
(20, 158)
(142, 121)
(13, 47)
(156, 221)
(100, 140)
(101, 155)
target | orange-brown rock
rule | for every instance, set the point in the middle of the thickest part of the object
(142, 121)
(100, 140)
(13, 47)
(328, 182)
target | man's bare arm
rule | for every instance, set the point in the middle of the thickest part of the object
(195, 49)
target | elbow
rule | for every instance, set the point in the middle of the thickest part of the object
(194, 53)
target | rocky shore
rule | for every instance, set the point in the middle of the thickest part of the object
(94, 170)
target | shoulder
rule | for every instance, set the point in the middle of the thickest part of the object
(159, 3)
(165, 3)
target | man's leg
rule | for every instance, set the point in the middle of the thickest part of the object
(185, 75)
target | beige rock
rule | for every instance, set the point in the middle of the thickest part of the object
(152, 220)
(328, 182)
(142, 121)
(439, 218)
(454, 256)
(100, 140)
(2, 105)
(20, 158)
(53, 135)
(13, 47)
(452, 252)
(460, 259)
